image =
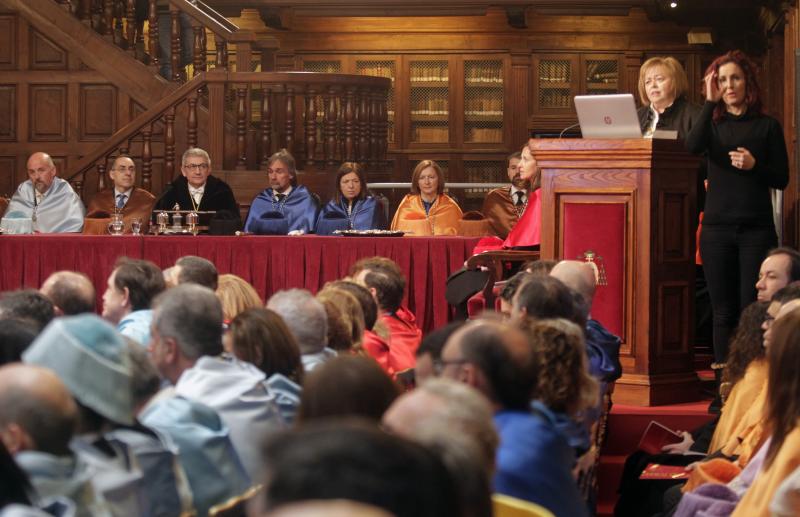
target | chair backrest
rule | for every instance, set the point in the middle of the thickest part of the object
(235, 506)
(507, 506)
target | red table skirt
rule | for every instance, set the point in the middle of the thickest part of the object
(269, 263)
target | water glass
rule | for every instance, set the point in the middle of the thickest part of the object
(136, 226)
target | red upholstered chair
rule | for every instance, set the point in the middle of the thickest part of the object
(497, 264)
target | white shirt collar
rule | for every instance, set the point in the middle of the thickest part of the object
(127, 193)
(198, 190)
(286, 192)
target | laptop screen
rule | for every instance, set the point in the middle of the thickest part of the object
(608, 116)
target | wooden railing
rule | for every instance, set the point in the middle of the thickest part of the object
(121, 23)
(323, 119)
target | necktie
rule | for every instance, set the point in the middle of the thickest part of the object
(280, 197)
(519, 195)
(121, 200)
(197, 196)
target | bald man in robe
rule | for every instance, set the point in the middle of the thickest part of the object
(123, 197)
(44, 203)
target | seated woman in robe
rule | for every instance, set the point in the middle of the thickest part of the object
(427, 210)
(284, 208)
(352, 208)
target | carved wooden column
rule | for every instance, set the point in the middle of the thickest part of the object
(130, 21)
(288, 138)
(266, 127)
(241, 127)
(374, 128)
(101, 175)
(311, 126)
(221, 60)
(175, 43)
(147, 157)
(191, 121)
(349, 125)
(216, 129)
(169, 144)
(330, 127)
(363, 125)
(108, 20)
(154, 49)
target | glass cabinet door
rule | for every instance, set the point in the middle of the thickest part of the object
(429, 101)
(483, 101)
(600, 74)
(555, 82)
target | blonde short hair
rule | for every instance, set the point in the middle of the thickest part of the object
(674, 70)
(236, 295)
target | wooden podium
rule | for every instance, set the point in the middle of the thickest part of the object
(629, 206)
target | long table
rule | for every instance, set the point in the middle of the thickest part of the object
(270, 263)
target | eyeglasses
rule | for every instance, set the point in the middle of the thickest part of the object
(196, 166)
(440, 364)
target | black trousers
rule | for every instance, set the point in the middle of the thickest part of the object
(732, 256)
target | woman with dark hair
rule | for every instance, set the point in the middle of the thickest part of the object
(352, 207)
(347, 386)
(746, 155)
(260, 337)
(427, 210)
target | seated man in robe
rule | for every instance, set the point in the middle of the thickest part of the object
(43, 203)
(283, 208)
(196, 189)
(503, 207)
(124, 197)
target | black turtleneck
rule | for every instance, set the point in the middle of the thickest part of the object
(737, 196)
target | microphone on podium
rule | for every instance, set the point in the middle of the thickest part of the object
(567, 129)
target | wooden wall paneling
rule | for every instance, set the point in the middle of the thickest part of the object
(48, 112)
(45, 54)
(8, 41)
(97, 107)
(629, 74)
(517, 102)
(8, 166)
(791, 41)
(8, 112)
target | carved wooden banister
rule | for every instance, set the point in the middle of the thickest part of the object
(248, 116)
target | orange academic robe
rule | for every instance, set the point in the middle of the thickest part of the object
(499, 210)
(743, 397)
(756, 500)
(442, 219)
(98, 213)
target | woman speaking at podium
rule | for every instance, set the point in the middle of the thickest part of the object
(746, 155)
(662, 89)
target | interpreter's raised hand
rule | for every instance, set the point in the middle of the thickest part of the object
(713, 92)
(742, 159)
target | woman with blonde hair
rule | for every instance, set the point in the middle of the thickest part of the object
(345, 319)
(236, 295)
(662, 90)
(427, 210)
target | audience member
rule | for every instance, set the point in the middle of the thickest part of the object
(346, 386)
(427, 210)
(196, 189)
(213, 468)
(509, 290)
(135, 469)
(43, 203)
(534, 460)
(546, 297)
(124, 198)
(261, 338)
(429, 352)
(307, 320)
(27, 305)
(602, 347)
(195, 270)
(15, 490)
(72, 293)
(358, 462)
(386, 282)
(504, 206)
(37, 420)
(15, 337)
(186, 347)
(132, 286)
(284, 207)
(345, 319)
(236, 295)
(781, 267)
(330, 508)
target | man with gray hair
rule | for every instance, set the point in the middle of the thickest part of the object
(196, 189)
(72, 293)
(186, 347)
(43, 203)
(307, 321)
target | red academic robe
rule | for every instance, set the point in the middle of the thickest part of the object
(404, 338)
(378, 349)
(527, 231)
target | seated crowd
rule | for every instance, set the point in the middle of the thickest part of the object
(47, 204)
(190, 391)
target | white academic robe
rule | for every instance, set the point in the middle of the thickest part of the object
(239, 393)
(60, 211)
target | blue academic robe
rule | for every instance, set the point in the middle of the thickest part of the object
(298, 211)
(61, 210)
(367, 214)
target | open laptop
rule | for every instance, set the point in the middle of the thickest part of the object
(608, 116)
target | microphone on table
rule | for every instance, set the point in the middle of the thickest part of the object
(567, 129)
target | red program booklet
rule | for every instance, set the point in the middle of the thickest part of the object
(656, 471)
(657, 436)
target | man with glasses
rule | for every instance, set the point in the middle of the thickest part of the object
(196, 189)
(123, 197)
(504, 206)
